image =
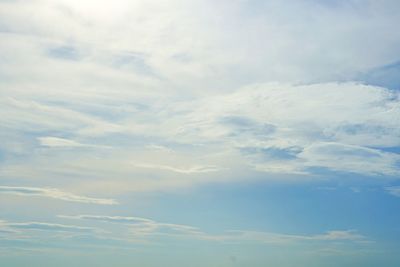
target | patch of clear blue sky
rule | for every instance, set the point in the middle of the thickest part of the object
(355, 203)
(64, 52)
(296, 209)
(386, 76)
(274, 207)
(187, 256)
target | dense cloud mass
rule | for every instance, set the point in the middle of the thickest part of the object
(270, 128)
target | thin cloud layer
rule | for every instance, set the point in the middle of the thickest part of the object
(139, 226)
(194, 169)
(54, 193)
(47, 227)
(51, 141)
(113, 219)
(129, 95)
(393, 190)
(143, 227)
(273, 128)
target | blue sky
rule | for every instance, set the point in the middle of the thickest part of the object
(199, 133)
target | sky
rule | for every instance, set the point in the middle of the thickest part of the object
(199, 133)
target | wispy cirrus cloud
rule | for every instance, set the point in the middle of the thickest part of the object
(51, 141)
(42, 226)
(188, 170)
(105, 218)
(267, 237)
(393, 190)
(277, 130)
(55, 194)
(143, 227)
(138, 225)
(268, 128)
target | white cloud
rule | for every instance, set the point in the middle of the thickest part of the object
(142, 227)
(159, 148)
(31, 116)
(191, 92)
(51, 141)
(339, 235)
(58, 142)
(265, 237)
(350, 158)
(54, 193)
(47, 227)
(393, 190)
(151, 72)
(190, 43)
(137, 225)
(189, 170)
(104, 218)
(275, 128)
(284, 128)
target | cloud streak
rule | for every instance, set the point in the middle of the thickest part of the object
(189, 170)
(393, 190)
(138, 225)
(55, 194)
(143, 227)
(48, 227)
(51, 141)
(277, 238)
